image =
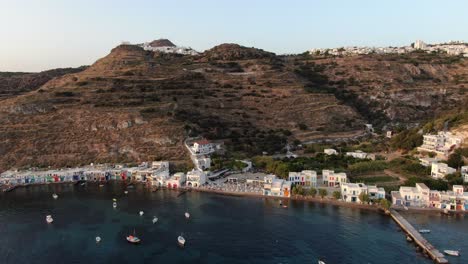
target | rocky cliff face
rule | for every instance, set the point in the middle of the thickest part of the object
(135, 105)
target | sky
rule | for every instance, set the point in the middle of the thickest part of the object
(38, 35)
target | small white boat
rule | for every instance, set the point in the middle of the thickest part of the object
(114, 204)
(55, 196)
(126, 192)
(424, 231)
(409, 239)
(114, 200)
(155, 219)
(98, 239)
(452, 252)
(187, 215)
(133, 238)
(141, 213)
(181, 240)
(321, 262)
(49, 219)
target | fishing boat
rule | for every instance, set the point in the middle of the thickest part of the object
(49, 219)
(141, 213)
(55, 196)
(155, 219)
(181, 240)
(114, 204)
(187, 215)
(98, 239)
(133, 238)
(452, 252)
(424, 231)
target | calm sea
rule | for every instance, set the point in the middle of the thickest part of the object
(221, 229)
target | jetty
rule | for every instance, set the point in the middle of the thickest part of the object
(433, 252)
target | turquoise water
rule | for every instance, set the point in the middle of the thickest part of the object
(222, 229)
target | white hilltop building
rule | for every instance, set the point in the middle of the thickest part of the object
(165, 46)
(330, 151)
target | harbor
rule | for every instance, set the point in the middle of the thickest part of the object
(415, 236)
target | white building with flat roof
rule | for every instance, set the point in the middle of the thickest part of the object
(276, 187)
(412, 196)
(464, 173)
(195, 178)
(427, 162)
(440, 170)
(177, 180)
(333, 179)
(330, 151)
(443, 143)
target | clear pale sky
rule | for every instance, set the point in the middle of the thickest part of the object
(44, 34)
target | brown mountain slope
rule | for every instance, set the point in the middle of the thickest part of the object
(15, 83)
(137, 105)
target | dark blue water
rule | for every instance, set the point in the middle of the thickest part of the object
(447, 232)
(221, 229)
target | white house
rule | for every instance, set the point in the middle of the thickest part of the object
(276, 187)
(412, 196)
(176, 180)
(350, 192)
(306, 178)
(464, 173)
(330, 151)
(202, 163)
(358, 154)
(442, 144)
(202, 147)
(195, 178)
(440, 170)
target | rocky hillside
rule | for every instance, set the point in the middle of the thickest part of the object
(16, 83)
(135, 105)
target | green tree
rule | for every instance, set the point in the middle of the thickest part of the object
(455, 160)
(294, 190)
(337, 195)
(313, 192)
(364, 197)
(323, 193)
(385, 204)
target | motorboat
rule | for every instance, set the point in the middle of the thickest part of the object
(155, 219)
(114, 200)
(55, 196)
(114, 204)
(133, 239)
(98, 239)
(49, 219)
(409, 239)
(187, 215)
(181, 240)
(424, 231)
(141, 213)
(455, 253)
(321, 262)
(126, 192)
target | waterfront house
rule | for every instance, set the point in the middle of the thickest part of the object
(267, 184)
(412, 196)
(306, 178)
(330, 152)
(333, 179)
(440, 170)
(464, 173)
(202, 163)
(427, 162)
(350, 192)
(176, 180)
(195, 178)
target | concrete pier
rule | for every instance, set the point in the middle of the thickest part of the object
(433, 252)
